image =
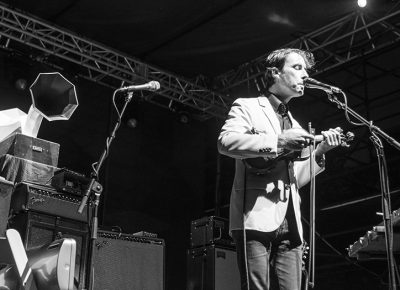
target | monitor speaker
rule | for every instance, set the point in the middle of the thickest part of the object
(127, 262)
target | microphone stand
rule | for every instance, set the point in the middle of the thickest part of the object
(97, 188)
(384, 179)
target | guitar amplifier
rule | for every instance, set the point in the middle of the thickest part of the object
(128, 262)
(45, 199)
(69, 181)
(210, 230)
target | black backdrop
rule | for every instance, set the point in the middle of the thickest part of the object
(161, 175)
(158, 176)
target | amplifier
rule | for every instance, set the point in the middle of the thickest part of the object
(45, 199)
(69, 181)
(210, 230)
(212, 268)
(127, 262)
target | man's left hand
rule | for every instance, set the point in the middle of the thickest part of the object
(332, 139)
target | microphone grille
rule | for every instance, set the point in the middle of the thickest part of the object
(154, 85)
(309, 82)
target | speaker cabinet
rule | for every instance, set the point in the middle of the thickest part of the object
(38, 229)
(6, 188)
(212, 268)
(127, 262)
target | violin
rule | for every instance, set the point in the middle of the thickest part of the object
(263, 165)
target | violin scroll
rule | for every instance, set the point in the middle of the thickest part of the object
(346, 139)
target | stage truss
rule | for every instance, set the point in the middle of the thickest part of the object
(107, 66)
(353, 36)
(335, 44)
(346, 39)
(345, 44)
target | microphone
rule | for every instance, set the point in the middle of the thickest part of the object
(150, 86)
(314, 84)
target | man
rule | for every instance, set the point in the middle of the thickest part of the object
(266, 202)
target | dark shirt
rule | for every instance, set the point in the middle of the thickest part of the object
(288, 225)
(281, 110)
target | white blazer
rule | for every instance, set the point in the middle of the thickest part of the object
(266, 195)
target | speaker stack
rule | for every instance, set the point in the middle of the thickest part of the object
(43, 213)
(39, 212)
(211, 260)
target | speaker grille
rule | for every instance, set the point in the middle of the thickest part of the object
(126, 262)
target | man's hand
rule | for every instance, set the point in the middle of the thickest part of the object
(333, 138)
(294, 139)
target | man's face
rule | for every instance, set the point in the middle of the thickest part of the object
(289, 80)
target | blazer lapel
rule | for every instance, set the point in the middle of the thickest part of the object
(270, 114)
(294, 122)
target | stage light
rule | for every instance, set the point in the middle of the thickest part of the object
(132, 123)
(184, 117)
(49, 267)
(21, 84)
(8, 278)
(53, 265)
(16, 272)
(362, 3)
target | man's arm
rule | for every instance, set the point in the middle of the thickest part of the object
(238, 138)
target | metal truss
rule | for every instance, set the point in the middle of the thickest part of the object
(107, 66)
(339, 42)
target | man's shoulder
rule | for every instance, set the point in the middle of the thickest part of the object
(258, 100)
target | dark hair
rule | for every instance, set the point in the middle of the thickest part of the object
(277, 58)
